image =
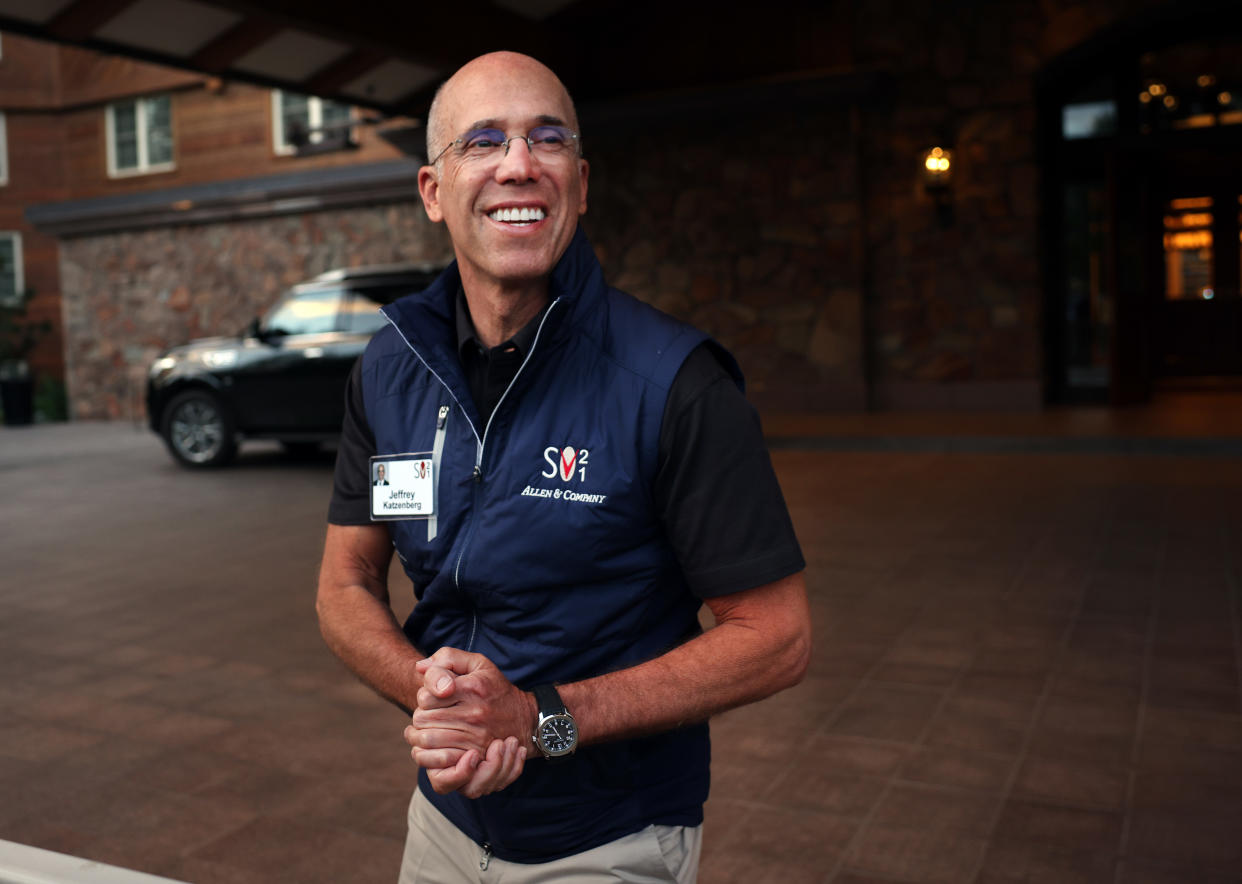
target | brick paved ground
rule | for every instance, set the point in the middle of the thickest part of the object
(1027, 669)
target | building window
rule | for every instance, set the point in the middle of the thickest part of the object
(4, 149)
(1188, 260)
(140, 136)
(12, 283)
(1089, 119)
(302, 119)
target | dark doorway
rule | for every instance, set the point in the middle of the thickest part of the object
(1198, 311)
(1141, 131)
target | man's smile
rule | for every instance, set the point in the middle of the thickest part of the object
(522, 216)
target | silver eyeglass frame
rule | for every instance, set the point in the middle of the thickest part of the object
(530, 145)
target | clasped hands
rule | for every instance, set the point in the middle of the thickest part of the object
(471, 728)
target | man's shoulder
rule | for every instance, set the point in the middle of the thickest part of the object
(653, 343)
(640, 312)
(384, 343)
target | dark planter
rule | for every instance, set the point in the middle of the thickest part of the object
(17, 397)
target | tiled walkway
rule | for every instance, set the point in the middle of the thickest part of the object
(1027, 668)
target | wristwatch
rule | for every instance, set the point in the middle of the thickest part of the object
(556, 735)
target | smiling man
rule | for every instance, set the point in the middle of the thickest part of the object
(577, 474)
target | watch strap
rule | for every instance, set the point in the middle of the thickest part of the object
(548, 699)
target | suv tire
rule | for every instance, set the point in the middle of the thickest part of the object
(198, 429)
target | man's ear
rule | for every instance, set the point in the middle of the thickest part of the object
(429, 190)
(583, 173)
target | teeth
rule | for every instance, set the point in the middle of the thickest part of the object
(517, 216)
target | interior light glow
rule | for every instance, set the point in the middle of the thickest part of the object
(937, 165)
(1188, 240)
(1190, 219)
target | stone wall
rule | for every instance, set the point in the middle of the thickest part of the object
(128, 296)
(749, 234)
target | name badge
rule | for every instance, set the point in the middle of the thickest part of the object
(402, 487)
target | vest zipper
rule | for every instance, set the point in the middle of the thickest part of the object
(437, 449)
(477, 474)
(485, 856)
(478, 465)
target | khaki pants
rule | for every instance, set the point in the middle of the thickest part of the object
(436, 852)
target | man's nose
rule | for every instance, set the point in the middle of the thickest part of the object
(518, 162)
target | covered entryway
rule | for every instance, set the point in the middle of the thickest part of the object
(1142, 200)
(1198, 328)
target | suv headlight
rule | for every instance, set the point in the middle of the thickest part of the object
(220, 358)
(163, 364)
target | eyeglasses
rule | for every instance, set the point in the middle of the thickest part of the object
(544, 142)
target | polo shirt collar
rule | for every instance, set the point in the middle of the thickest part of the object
(467, 337)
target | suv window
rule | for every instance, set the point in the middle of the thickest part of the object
(360, 313)
(304, 313)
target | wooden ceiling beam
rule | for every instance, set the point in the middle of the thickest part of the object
(438, 36)
(81, 19)
(221, 52)
(337, 75)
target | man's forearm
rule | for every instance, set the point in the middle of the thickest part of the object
(364, 634)
(355, 618)
(757, 648)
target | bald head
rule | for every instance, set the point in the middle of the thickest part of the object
(454, 97)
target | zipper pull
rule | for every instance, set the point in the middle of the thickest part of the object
(485, 857)
(444, 410)
(476, 476)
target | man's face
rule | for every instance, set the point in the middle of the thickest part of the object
(379, 471)
(513, 94)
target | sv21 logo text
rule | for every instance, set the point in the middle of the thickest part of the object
(564, 462)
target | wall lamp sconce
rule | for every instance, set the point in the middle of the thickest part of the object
(937, 175)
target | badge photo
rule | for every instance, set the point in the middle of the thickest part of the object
(402, 486)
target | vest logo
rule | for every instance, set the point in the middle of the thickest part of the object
(564, 462)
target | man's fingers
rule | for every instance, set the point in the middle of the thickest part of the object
(437, 680)
(445, 738)
(450, 779)
(515, 759)
(484, 778)
(436, 759)
(460, 717)
(452, 659)
(470, 772)
(427, 699)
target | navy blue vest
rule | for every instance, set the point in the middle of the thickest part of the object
(546, 554)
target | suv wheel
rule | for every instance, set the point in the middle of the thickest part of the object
(197, 429)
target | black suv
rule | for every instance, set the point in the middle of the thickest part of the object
(284, 377)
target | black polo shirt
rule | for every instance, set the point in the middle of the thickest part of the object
(716, 494)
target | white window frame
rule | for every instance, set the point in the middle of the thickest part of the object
(4, 149)
(314, 107)
(144, 167)
(19, 276)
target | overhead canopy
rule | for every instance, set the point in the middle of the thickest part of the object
(384, 56)
(390, 56)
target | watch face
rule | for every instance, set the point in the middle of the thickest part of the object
(557, 735)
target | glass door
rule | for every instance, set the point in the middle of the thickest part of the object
(1199, 331)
